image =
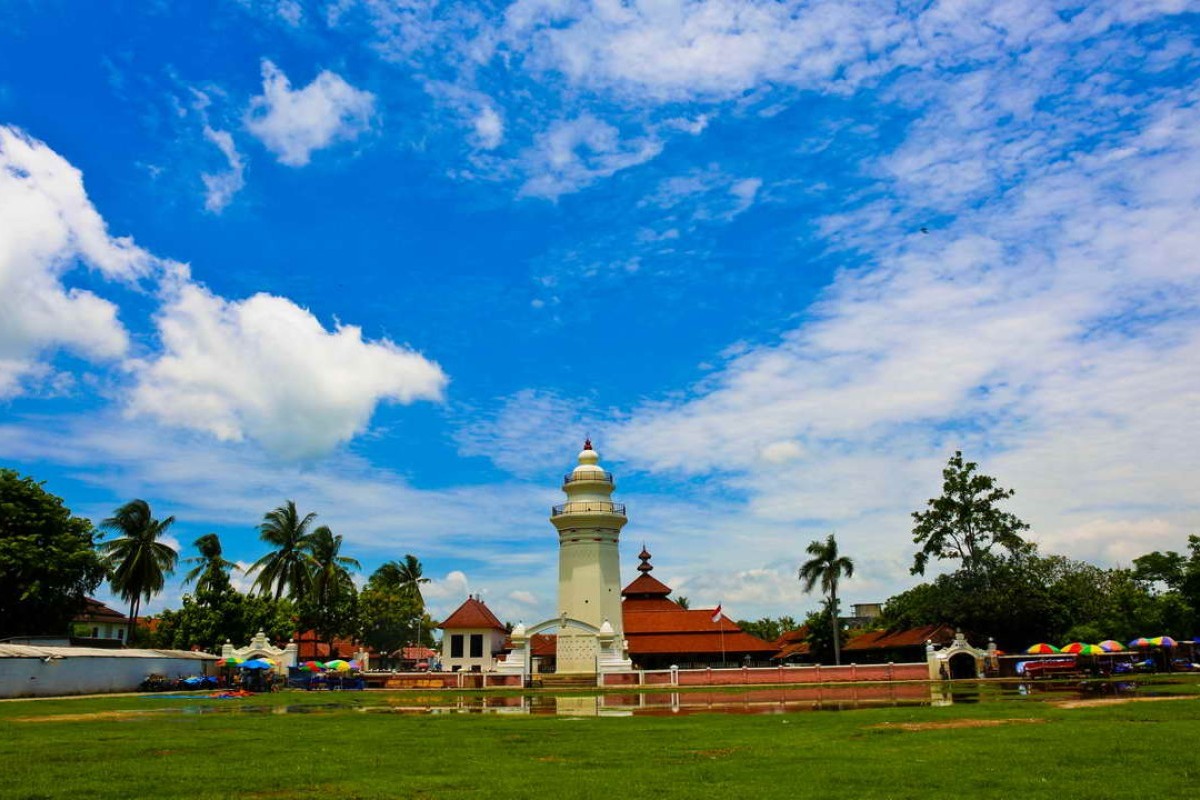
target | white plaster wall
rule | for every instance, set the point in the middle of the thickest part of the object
(36, 677)
(493, 640)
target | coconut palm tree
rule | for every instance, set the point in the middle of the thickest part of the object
(827, 567)
(137, 560)
(289, 565)
(211, 572)
(406, 576)
(331, 570)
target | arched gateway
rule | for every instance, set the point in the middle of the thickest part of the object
(591, 650)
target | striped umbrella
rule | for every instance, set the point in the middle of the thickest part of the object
(1141, 641)
(1163, 641)
(1112, 646)
(338, 664)
(1073, 647)
(232, 661)
(1091, 650)
(1041, 649)
(312, 666)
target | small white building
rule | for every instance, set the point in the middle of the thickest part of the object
(472, 638)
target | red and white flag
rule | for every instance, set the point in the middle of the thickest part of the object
(716, 617)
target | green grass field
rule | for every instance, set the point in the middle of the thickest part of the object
(350, 746)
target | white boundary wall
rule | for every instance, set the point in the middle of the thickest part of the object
(27, 671)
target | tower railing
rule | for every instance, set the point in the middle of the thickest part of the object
(588, 507)
(604, 477)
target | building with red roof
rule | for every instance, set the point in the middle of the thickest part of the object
(473, 637)
(662, 633)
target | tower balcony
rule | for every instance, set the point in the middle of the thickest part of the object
(601, 477)
(588, 507)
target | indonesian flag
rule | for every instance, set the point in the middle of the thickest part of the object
(716, 617)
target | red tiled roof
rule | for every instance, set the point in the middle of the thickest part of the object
(543, 644)
(792, 643)
(644, 584)
(887, 640)
(631, 604)
(311, 647)
(698, 643)
(472, 614)
(413, 653)
(95, 611)
(677, 620)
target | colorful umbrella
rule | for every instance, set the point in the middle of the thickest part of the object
(355, 665)
(1073, 647)
(338, 664)
(1041, 649)
(312, 666)
(1090, 650)
(1112, 646)
(258, 663)
(1163, 641)
(232, 661)
(1141, 641)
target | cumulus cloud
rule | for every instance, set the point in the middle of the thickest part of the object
(50, 228)
(293, 123)
(220, 187)
(266, 369)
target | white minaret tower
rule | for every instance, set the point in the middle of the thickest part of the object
(589, 568)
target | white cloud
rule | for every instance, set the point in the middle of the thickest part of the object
(572, 154)
(489, 128)
(294, 123)
(684, 49)
(1052, 332)
(530, 432)
(49, 229)
(265, 368)
(220, 187)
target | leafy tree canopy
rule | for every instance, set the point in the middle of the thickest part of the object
(965, 523)
(48, 561)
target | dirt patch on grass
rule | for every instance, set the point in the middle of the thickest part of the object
(90, 717)
(954, 723)
(1114, 701)
(723, 752)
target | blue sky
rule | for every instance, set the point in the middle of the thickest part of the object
(394, 260)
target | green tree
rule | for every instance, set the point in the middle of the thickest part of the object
(964, 524)
(406, 575)
(289, 565)
(769, 629)
(822, 646)
(390, 614)
(683, 602)
(211, 572)
(138, 561)
(208, 622)
(48, 561)
(827, 568)
(330, 607)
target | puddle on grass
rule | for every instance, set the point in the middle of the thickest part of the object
(763, 700)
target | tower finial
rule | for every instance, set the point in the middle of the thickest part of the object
(587, 443)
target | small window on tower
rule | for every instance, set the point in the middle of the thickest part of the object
(456, 645)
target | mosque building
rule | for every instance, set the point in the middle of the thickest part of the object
(602, 627)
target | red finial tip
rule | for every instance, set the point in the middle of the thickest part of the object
(587, 444)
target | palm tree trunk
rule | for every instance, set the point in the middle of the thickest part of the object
(833, 617)
(134, 606)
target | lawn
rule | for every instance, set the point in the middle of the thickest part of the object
(355, 745)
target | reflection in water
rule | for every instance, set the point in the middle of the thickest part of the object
(759, 700)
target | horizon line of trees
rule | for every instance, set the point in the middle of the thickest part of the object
(1002, 587)
(50, 561)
